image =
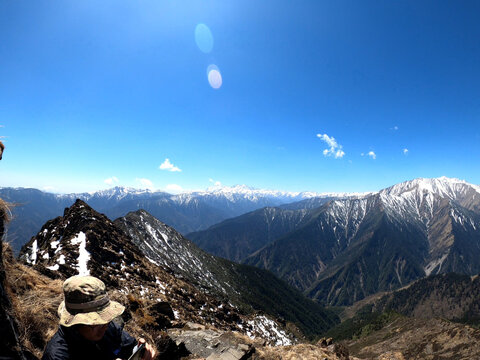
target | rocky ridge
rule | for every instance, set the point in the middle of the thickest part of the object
(244, 286)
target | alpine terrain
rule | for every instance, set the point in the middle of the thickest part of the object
(351, 248)
(141, 260)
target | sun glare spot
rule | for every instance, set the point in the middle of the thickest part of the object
(204, 38)
(214, 76)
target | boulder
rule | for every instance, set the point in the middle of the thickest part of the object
(214, 344)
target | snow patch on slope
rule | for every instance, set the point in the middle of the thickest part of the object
(268, 329)
(84, 255)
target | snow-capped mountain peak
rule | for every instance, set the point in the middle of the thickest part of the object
(443, 186)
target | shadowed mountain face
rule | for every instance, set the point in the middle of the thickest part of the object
(350, 248)
(237, 238)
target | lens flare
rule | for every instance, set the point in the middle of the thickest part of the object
(204, 38)
(214, 76)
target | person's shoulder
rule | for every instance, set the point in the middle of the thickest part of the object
(57, 347)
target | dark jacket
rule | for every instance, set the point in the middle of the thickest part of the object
(68, 344)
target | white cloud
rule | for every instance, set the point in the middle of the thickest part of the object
(334, 149)
(395, 128)
(48, 188)
(167, 165)
(174, 188)
(371, 154)
(145, 183)
(405, 151)
(111, 181)
(216, 183)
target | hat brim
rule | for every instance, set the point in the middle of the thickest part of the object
(100, 317)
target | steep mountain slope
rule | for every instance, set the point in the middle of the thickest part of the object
(239, 237)
(355, 247)
(187, 212)
(449, 296)
(236, 238)
(244, 286)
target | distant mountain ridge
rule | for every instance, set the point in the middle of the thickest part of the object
(186, 212)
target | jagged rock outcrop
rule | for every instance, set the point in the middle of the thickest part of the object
(213, 344)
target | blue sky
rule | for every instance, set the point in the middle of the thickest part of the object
(304, 95)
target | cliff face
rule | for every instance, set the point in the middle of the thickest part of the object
(9, 341)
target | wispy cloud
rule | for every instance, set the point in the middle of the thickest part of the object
(145, 183)
(174, 188)
(110, 181)
(47, 188)
(167, 165)
(395, 128)
(405, 151)
(334, 148)
(216, 183)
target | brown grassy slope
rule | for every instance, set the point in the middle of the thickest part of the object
(303, 352)
(35, 299)
(420, 339)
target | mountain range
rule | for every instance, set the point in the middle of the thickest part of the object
(347, 249)
(409, 253)
(185, 212)
(336, 249)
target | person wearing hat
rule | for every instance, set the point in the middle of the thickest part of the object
(87, 330)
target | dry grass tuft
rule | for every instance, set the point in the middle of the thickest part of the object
(35, 299)
(137, 319)
(5, 213)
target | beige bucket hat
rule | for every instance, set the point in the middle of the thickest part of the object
(87, 302)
